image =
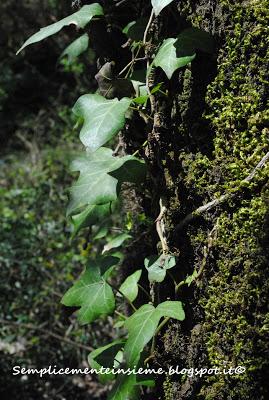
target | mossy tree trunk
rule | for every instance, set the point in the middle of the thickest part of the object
(209, 135)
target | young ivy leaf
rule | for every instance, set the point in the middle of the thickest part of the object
(168, 60)
(176, 53)
(157, 266)
(91, 292)
(108, 356)
(103, 118)
(80, 18)
(76, 48)
(95, 185)
(130, 286)
(158, 5)
(116, 242)
(143, 324)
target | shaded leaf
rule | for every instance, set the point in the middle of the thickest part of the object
(103, 118)
(90, 216)
(108, 357)
(130, 287)
(80, 18)
(76, 48)
(135, 29)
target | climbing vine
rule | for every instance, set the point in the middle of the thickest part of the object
(101, 116)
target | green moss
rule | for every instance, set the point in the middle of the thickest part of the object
(235, 287)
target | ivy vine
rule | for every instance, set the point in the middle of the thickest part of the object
(101, 116)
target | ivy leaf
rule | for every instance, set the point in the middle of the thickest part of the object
(90, 216)
(168, 60)
(108, 356)
(91, 292)
(135, 29)
(125, 388)
(191, 278)
(116, 242)
(141, 327)
(95, 184)
(171, 309)
(76, 48)
(158, 5)
(157, 266)
(143, 324)
(192, 39)
(80, 18)
(103, 118)
(130, 287)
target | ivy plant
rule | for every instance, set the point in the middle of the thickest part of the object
(98, 187)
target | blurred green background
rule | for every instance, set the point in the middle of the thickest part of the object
(37, 259)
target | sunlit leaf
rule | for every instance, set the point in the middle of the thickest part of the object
(116, 242)
(103, 118)
(167, 58)
(130, 286)
(95, 185)
(158, 5)
(91, 292)
(157, 266)
(125, 388)
(80, 18)
(143, 324)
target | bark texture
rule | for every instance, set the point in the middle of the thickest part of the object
(208, 136)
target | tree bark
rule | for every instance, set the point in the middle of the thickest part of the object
(209, 135)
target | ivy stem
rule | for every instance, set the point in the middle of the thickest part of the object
(144, 290)
(147, 27)
(143, 145)
(120, 314)
(123, 295)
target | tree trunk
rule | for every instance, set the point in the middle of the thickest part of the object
(208, 137)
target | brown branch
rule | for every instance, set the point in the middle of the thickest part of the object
(212, 204)
(45, 332)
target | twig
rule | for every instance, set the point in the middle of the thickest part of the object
(46, 332)
(221, 199)
(147, 27)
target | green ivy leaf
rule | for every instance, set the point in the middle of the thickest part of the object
(95, 184)
(80, 18)
(76, 48)
(125, 388)
(90, 216)
(135, 29)
(108, 356)
(130, 287)
(191, 278)
(167, 58)
(103, 118)
(192, 39)
(91, 292)
(158, 5)
(171, 309)
(116, 242)
(157, 266)
(143, 324)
